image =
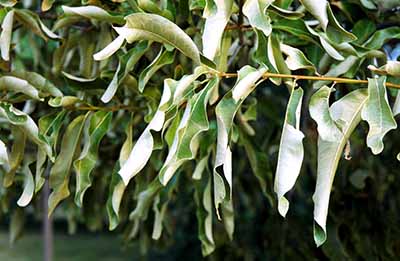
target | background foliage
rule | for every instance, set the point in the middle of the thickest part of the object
(131, 112)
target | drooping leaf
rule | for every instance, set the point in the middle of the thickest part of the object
(117, 185)
(225, 112)
(84, 165)
(186, 139)
(32, 21)
(378, 114)
(256, 13)
(216, 13)
(29, 187)
(203, 201)
(5, 36)
(16, 156)
(11, 83)
(60, 172)
(141, 26)
(345, 114)
(126, 64)
(93, 12)
(291, 151)
(22, 121)
(296, 59)
(163, 58)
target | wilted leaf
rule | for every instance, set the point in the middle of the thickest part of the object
(291, 151)
(5, 36)
(84, 165)
(378, 114)
(60, 172)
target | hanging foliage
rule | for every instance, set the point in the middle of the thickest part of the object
(127, 107)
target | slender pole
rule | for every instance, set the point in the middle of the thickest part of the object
(47, 223)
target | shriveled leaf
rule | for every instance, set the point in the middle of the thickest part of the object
(11, 83)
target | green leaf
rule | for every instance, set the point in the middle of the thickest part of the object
(39, 82)
(217, 14)
(4, 160)
(163, 58)
(378, 114)
(225, 113)
(346, 114)
(17, 223)
(143, 148)
(203, 199)
(186, 139)
(11, 83)
(22, 121)
(396, 106)
(296, 59)
(32, 22)
(84, 165)
(390, 68)
(141, 26)
(29, 187)
(291, 151)
(47, 4)
(16, 156)
(255, 11)
(6, 34)
(318, 8)
(126, 64)
(60, 172)
(93, 12)
(117, 185)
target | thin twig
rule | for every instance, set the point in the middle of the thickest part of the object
(312, 78)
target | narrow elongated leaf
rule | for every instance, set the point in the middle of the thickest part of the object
(22, 121)
(126, 64)
(43, 85)
(143, 148)
(93, 12)
(396, 106)
(29, 187)
(296, 59)
(117, 185)
(378, 114)
(318, 8)
(346, 114)
(255, 11)
(225, 113)
(3, 154)
(163, 58)
(5, 36)
(216, 13)
(16, 156)
(32, 22)
(141, 26)
(15, 84)
(203, 201)
(60, 172)
(110, 49)
(84, 165)
(186, 139)
(291, 151)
